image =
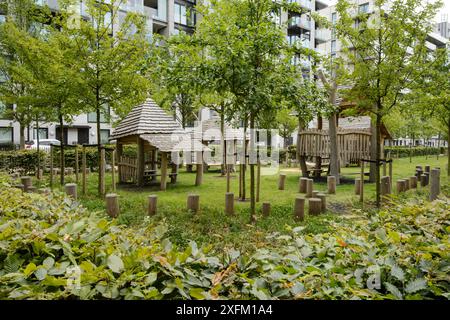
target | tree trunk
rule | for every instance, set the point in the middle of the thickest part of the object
(448, 148)
(22, 137)
(378, 156)
(252, 171)
(373, 153)
(61, 154)
(334, 152)
(38, 150)
(301, 158)
(224, 167)
(244, 164)
(99, 141)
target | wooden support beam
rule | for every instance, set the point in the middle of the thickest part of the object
(163, 186)
(140, 162)
(83, 168)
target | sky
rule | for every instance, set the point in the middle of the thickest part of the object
(445, 10)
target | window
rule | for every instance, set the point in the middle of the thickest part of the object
(43, 133)
(5, 111)
(104, 116)
(333, 18)
(333, 46)
(184, 15)
(363, 8)
(2, 18)
(6, 135)
(104, 136)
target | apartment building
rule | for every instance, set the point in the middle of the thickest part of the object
(443, 28)
(165, 17)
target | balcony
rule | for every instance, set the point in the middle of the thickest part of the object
(300, 23)
(322, 35)
(303, 3)
(156, 9)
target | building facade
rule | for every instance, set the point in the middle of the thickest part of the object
(165, 17)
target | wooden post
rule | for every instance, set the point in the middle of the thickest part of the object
(435, 187)
(229, 203)
(77, 168)
(391, 177)
(309, 188)
(83, 173)
(413, 182)
(427, 178)
(323, 198)
(102, 171)
(400, 186)
(112, 205)
(26, 181)
(51, 166)
(281, 181)
(385, 185)
(384, 168)
(240, 181)
(302, 182)
(193, 203)
(163, 186)
(174, 173)
(228, 177)
(119, 152)
(358, 186)
(71, 190)
(315, 206)
(299, 208)
(141, 163)
(423, 181)
(113, 170)
(152, 204)
(266, 209)
(361, 184)
(406, 184)
(258, 180)
(315, 193)
(199, 169)
(331, 182)
(427, 168)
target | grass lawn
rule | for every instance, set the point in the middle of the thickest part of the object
(212, 226)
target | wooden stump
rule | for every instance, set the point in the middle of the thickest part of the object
(419, 173)
(309, 188)
(315, 193)
(419, 168)
(406, 184)
(385, 185)
(435, 187)
(112, 205)
(266, 209)
(423, 181)
(302, 185)
(315, 206)
(71, 190)
(193, 203)
(427, 169)
(427, 177)
(39, 174)
(413, 182)
(26, 181)
(323, 198)
(357, 186)
(401, 186)
(152, 205)
(331, 182)
(281, 181)
(229, 203)
(299, 208)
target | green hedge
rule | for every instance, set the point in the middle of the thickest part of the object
(51, 248)
(404, 152)
(28, 159)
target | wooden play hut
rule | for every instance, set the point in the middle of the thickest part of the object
(159, 139)
(354, 140)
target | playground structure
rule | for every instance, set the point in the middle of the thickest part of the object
(159, 139)
(354, 138)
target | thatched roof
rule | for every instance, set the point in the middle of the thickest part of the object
(210, 130)
(146, 118)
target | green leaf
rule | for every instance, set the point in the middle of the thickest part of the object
(397, 273)
(394, 290)
(197, 293)
(115, 263)
(416, 285)
(40, 273)
(48, 263)
(151, 278)
(31, 267)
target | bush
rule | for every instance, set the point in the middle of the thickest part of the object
(26, 160)
(404, 152)
(51, 248)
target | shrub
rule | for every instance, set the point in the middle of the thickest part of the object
(51, 248)
(26, 160)
(404, 152)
